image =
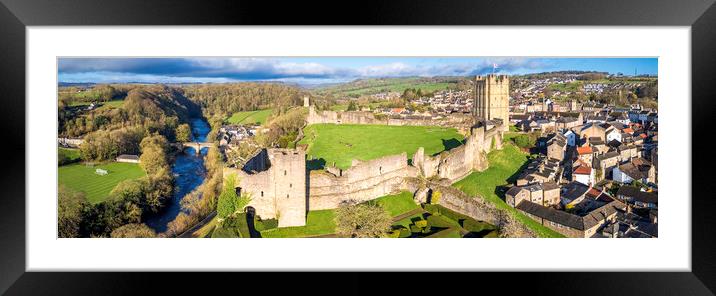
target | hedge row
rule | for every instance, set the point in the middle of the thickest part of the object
(447, 233)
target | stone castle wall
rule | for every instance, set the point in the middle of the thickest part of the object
(458, 121)
(363, 181)
(459, 162)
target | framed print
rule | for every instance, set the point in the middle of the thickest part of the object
(203, 140)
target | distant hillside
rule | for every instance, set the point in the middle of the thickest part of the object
(371, 86)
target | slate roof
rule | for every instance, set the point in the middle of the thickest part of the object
(514, 190)
(632, 171)
(638, 195)
(550, 214)
(574, 190)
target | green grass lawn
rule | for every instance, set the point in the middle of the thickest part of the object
(373, 86)
(113, 104)
(83, 178)
(317, 223)
(397, 204)
(322, 222)
(503, 165)
(68, 155)
(246, 117)
(345, 142)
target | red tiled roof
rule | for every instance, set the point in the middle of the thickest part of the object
(584, 150)
(628, 130)
(643, 136)
(583, 170)
(593, 192)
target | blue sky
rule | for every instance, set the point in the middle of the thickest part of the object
(315, 70)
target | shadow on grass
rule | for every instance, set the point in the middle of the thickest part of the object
(451, 143)
(513, 178)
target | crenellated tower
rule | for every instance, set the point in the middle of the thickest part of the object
(492, 94)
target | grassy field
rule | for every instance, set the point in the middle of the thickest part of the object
(344, 107)
(397, 204)
(83, 178)
(504, 164)
(68, 155)
(317, 223)
(343, 143)
(322, 222)
(246, 117)
(378, 85)
(112, 103)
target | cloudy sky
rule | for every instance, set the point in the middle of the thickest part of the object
(315, 70)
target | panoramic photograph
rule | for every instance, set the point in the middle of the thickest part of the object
(357, 147)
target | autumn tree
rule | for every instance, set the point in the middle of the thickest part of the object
(183, 133)
(133, 230)
(362, 220)
(71, 205)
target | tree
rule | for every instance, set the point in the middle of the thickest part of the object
(133, 230)
(352, 106)
(226, 205)
(154, 156)
(524, 141)
(70, 208)
(183, 133)
(362, 220)
(159, 188)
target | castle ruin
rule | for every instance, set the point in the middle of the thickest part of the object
(282, 187)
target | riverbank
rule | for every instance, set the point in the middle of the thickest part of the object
(189, 173)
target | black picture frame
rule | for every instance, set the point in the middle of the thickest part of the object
(699, 15)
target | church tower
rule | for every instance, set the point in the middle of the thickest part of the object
(492, 94)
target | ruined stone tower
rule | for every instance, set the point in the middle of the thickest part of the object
(492, 98)
(306, 101)
(276, 181)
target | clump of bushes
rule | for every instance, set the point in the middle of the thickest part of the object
(267, 224)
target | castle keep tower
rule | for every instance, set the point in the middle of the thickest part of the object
(492, 98)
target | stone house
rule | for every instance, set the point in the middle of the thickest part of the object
(585, 153)
(556, 147)
(637, 197)
(583, 173)
(628, 173)
(628, 151)
(567, 122)
(546, 194)
(551, 194)
(605, 163)
(572, 225)
(592, 130)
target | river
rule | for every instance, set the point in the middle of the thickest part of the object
(189, 172)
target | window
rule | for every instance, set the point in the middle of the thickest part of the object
(286, 195)
(290, 185)
(284, 173)
(262, 194)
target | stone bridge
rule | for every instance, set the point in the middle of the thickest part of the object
(196, 145)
